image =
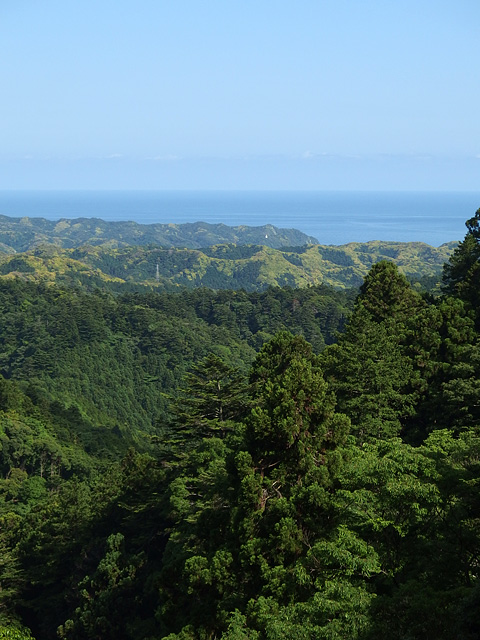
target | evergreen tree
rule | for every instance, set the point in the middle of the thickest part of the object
(421, 508)
(369, 368)
(386, 293)
(213, 395)
(261, 547)
(292, 409)
(461, 274)
(294, 545)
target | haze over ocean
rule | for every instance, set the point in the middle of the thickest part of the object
(336, 217)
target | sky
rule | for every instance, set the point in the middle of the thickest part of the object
(223, 94)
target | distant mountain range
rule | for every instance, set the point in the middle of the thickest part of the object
(88, 252)
(22, 234)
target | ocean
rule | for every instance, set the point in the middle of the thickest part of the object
(333, 217)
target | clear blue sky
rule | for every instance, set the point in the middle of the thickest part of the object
(332, 94)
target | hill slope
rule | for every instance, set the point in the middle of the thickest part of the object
(249, 267)
(22, 234)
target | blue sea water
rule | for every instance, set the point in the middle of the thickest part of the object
(331, 217)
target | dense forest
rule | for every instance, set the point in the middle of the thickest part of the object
(127, 256)
(295, 463)
(226, 266)
(22, 234)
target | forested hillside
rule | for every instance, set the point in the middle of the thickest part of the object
(118, 359)
(249, 267)
(222, 464)
(22, 234)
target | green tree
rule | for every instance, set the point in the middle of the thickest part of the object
(442, 345)
(370, 374)
(14, 632)
(112, 583)
(306, 568)
(421, 506)
(386, 293)
(214, 394)
(293, 408)
(461, 274)
(283, 563)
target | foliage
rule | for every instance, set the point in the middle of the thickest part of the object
(461, 272)
(14, 633)
(112, 362)
(210, 464)
(252, 267)
(21, 234)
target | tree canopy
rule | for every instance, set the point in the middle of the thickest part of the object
(200, 464)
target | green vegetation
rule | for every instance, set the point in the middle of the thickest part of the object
(204, 464)
(248, 267)
(114, 361)
(461, 273)
(22, 234)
